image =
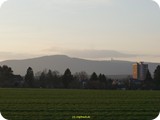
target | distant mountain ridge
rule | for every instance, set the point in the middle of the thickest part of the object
(62, 62)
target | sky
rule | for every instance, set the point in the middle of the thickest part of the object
(90, 29)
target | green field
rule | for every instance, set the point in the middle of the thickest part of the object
(44, 104)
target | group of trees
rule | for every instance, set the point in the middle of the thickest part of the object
(53, 79)
(157, 76)
(79, 80)
(7, 78)
(6, 74)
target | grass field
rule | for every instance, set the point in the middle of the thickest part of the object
(43, 104)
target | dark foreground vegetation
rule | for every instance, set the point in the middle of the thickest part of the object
(54, 104)
(79, 80)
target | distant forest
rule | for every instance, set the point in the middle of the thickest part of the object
(80, 80)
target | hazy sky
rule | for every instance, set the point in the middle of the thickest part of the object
(94, 29)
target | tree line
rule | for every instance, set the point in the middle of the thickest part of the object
(79, 80)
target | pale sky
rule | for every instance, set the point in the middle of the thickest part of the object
(92, 29)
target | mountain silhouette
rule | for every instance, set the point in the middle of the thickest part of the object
(62, 62)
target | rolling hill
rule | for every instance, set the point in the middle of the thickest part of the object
(62, 62)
